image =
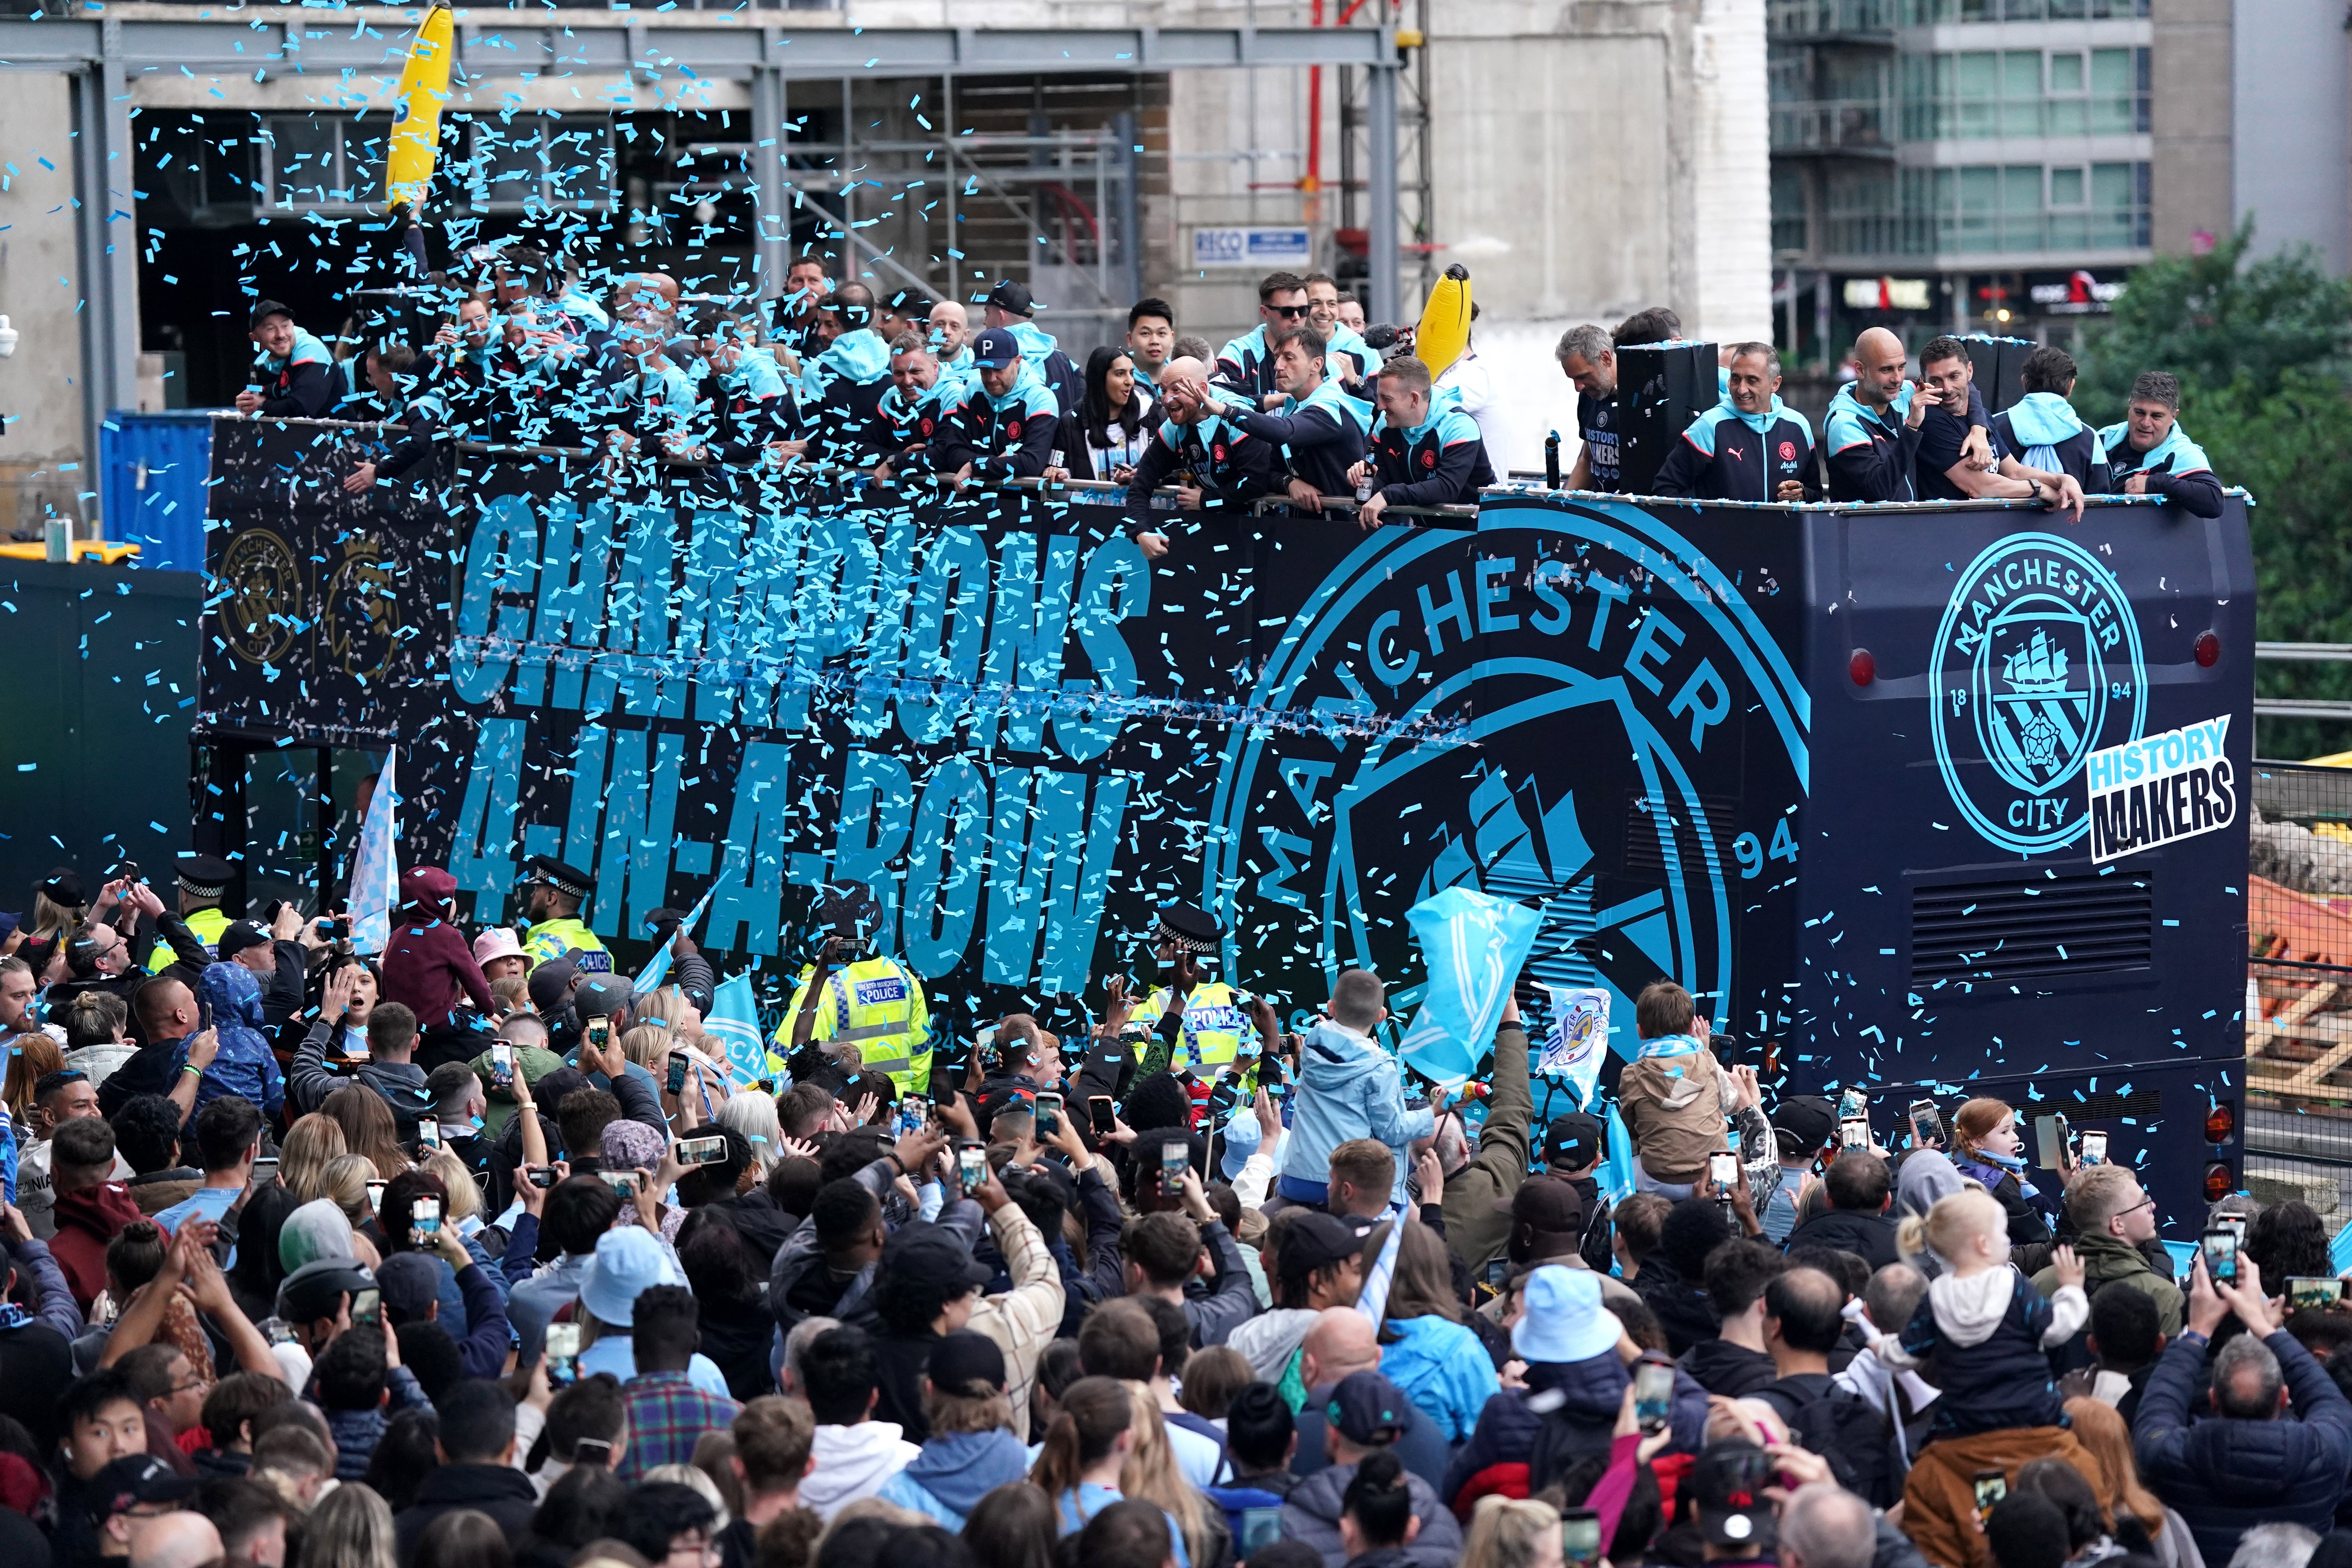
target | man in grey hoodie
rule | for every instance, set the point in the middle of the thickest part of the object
(1367, 1413)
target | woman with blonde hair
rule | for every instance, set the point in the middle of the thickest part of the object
(1153, 1475)
(345, 1183)
(1512, 1532)
(368, 1127)
(2127, 1498)
(311, 1143)
(351, 1528)
(1986, 1139)
(98, 1039)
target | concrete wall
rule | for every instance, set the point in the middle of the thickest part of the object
(2190, 116)
(40, 273)
(2292, 157)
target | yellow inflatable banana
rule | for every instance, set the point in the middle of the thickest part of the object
(1445, 329)
(416, 132)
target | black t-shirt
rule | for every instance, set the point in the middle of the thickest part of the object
(1941, 437)
(1597, 418)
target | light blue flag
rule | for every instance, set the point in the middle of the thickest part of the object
(2339, 1252)
(734, 1021)
(657, 969)
(1617, 1175)
(1475, 944)
(375, 870)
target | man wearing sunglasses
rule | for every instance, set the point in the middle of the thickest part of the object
(2115, 1225)
(1245, 366)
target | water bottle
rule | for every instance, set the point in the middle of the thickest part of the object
(1363, 490)
(1551, 461)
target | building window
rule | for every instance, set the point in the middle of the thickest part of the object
(1981, 93)
(314, 163)
(537, 162)
(1988, 209)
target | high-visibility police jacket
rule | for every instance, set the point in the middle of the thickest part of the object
(1215, 1025)
(876, 1005)
(554, 939)
(206, 924)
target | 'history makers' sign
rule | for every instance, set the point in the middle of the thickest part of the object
(2147, 793)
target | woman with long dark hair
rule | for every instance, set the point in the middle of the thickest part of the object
(1117, 419)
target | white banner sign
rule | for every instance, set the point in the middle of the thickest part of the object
(2149, 792)
(1253, 247)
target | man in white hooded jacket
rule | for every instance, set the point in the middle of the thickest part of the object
(853, 1453)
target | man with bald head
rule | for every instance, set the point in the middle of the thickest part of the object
(1869, 442)
(1214, 465)
(1342, 1341)
(176, 1539)
(950, 334)
(166, 1013)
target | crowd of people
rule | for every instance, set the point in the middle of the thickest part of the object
(471, 1254)
(1312, 407)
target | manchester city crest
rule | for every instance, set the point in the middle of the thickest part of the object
(2036, 665)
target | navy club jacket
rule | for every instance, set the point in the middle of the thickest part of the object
(1003, 438)
(1230, 466)
(900, 423)
(1722, 458)
(1440, 461)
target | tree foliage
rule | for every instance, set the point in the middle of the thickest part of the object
(2261, 348)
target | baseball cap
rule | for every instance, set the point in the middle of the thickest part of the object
(317, 1288)
(135, 1478)
(1547, 1219)
(239, 935)
(995, 349)
(1006, 1094)
(964, 1358)
(1806, 1120)
(601, 996)
(1013, 299)
(550, 981)
(628, 1262)
(1574, 1141)
(929, 1254)
(1564, 1321)
(497, 942)
(410, 1285)
(1728, 1482)
(1366, 1408)
(1315, 1240)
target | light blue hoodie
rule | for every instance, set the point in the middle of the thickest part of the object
(1348, 1088)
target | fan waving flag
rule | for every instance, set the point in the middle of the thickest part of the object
(1475, 944)
(734, 1021)
(657, 969)
(375, 870)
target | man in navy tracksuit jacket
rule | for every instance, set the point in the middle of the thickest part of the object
(2150, 454)
(1005, 429)
(1749, 446)
(1422, 455)
(1869, 442)
(2043, 429)
(1320, 429)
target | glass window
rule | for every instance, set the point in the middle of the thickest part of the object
(2066, 187)
(301, 159)
(2114, 78)
(2066, 73)
(2021, 92)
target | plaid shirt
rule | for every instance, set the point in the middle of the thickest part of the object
(667, 1415)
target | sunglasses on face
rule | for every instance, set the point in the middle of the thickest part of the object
(1293, 311)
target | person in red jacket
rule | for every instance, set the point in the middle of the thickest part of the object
(429, 967)
(91, 1210)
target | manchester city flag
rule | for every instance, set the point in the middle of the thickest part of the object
(1475, 944)
(734, 1021)
(375, 870)
(657, 969)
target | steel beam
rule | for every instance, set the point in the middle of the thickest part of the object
(1383, 281)
(664, 44)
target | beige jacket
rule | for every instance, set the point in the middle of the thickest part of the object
(1673, 1107)
(1024, 1320)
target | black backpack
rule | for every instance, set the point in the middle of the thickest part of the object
(1595, 1247)
(1843, 1428)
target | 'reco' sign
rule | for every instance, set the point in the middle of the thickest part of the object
(1253, 248)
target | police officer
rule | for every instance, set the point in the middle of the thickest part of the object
(203, 882)
(552, 893)
(1204, 1020)
(854, 997)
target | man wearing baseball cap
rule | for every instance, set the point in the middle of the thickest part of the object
(1735, 1518)
(1803, 1126)
(1578, 1362)
(1550, 1212)
(275, 955)
(121, 1497)
(1009, 428)
(1365, 1413)
(1010, 306)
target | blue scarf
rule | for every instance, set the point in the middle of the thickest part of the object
(1761, 423)
(2188, 457)
(1989, 1162)
(1669, 1045)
